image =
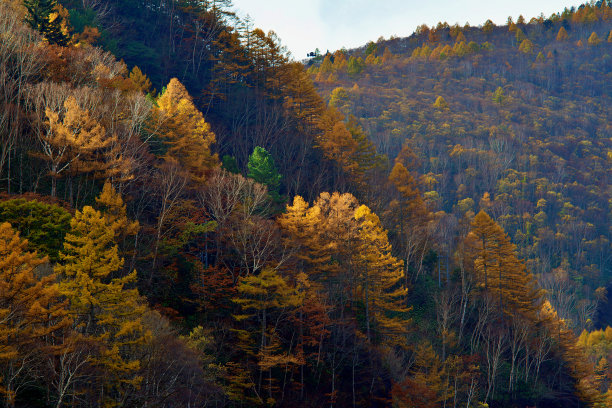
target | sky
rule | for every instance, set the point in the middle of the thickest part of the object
(304, 25)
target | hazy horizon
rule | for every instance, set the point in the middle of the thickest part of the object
(331, 25)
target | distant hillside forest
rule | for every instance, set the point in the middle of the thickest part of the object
(190, 218)
(511, 119)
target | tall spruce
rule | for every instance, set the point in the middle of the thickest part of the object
(44, 17)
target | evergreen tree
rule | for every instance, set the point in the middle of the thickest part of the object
(230, 164)
(43, 225)
(44, 17)
(263, 170)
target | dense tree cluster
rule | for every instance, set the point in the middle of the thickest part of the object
(513, 120)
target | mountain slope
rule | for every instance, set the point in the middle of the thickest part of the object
(520, 112)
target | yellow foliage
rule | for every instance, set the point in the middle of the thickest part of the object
(140, 80)
(498, 269)
(526, 46)
(326, 65)
(31, 314)
(381, 274)
(73, 141)
(115, 213)
(345, 243)
(187, 135)
(562, 34)
(460, 49)
(440, 103)
(594, 39)
(103, 306)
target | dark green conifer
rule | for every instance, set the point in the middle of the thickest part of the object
(263, 170)
(39, 18)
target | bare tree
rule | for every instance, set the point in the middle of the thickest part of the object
(68, 368)
(519, 330)
(494, 346)
(20, 61)
(446, 313)
(172, 182)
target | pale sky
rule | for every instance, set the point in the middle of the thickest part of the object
(304, 25)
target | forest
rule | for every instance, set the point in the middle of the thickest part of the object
(189, 217)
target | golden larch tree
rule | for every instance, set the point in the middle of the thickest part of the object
(381, 287)
(31, 313)
(112, 207)
(344, 249)
(102, 304)
(74, 142)
(562, 34)
(496, 265)
(594, 39)
(266, 297)
(184, 131)
(410, 216)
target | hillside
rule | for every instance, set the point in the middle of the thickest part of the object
(186, 222)
(520, 112)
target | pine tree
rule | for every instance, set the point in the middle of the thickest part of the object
(263, 170)
(101, 303)
(44, 16)
(43, 225)
(230, 164)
